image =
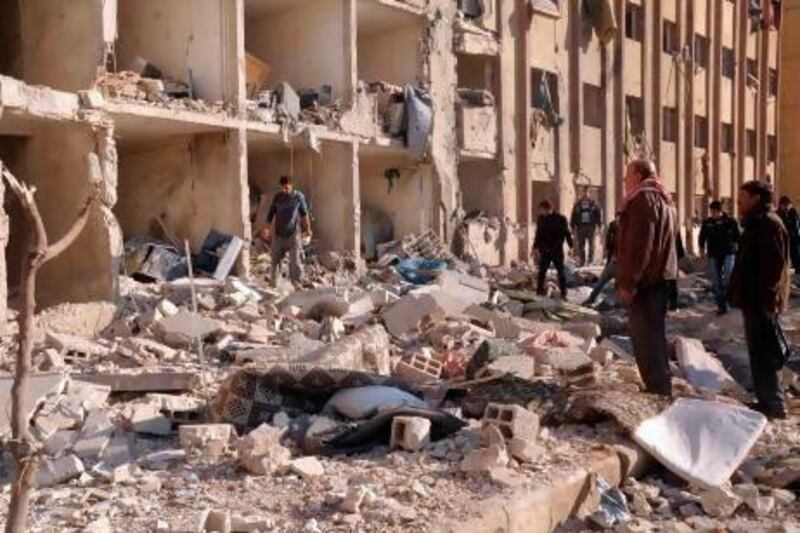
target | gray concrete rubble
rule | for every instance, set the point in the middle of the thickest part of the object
(367, 401)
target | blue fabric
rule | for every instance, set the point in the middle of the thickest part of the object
(419, 271)
(719, 272)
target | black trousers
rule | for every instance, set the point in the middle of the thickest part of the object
(768, 351)
(555, 258)
(648, 330)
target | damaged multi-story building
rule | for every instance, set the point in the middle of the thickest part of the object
(394, 116)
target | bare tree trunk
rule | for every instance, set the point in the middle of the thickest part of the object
(22, 446)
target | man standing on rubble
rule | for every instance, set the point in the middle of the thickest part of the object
(287, 214)
(610, 270)
(719, 236)
(646, 261)
(791, 220)
(552, 231)
(585, 220)
(760, 287)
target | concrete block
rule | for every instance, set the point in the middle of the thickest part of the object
(513, 421)
(211, 438)
(316, 432)
(184, 328)
(485, 459)
(147, 418)
(516, 365)
(95, 434)
(117, 452)
(92, 99)
(215, 521)
(419, 369)
(410, 432)
(55, 471)
(60, 443)
(261, 452)
(150, 382)
(307, 467)
(524, 450)
(70, 344)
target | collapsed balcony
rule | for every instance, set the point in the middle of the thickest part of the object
(180, 184)
(310, 83)
(172, 54)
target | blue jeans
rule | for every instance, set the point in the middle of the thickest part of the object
(719, 272)
(609, 273)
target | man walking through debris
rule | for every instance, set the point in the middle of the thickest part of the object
(760, 288)
(610, 270)
(552, 230)
(585, 221)
(719, 236)
(791, 220)
(646, 261)
(287, 214)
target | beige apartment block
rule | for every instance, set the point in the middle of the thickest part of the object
(789, 117)
(691, 80)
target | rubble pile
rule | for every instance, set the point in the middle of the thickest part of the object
(395, 398)
(131, 86)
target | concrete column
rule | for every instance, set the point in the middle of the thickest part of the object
(681, 91)
(715, 104)
(235, 78)
(519, 131)
(763, 97)
(336, 191)
(575, 77)
(649, 87)
(689, 160)
(444, 143)
(657, 75)
(743, 25)
(789, 101)
(610, 133)
(569, 95)
(350, 47)
(4, 235)
(619, 100)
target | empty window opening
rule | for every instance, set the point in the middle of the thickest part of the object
(671, 124)
(593, 106)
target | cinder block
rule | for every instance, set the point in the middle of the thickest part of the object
(419, 369)
(212, 438)
(513, 421)
(410, 432)
(53, 472)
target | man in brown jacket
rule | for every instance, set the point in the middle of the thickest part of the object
(646, 262)
(760, 287)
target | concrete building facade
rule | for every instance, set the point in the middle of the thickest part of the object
(517, 99)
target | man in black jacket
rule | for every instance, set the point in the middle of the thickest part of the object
(552, 230)
(760, 287)
(791, 220)
(719, 236)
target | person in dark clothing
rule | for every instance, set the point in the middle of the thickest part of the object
(791, 220)
(288, 217)
(552, 231)
(585, 220)
(646, 261)
(760, 287)
(719, 236)
(672, 284)
(610, 270)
